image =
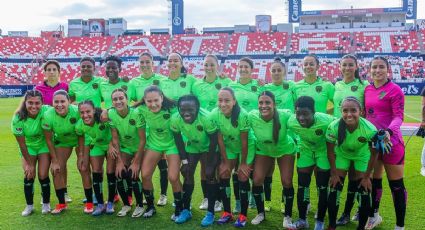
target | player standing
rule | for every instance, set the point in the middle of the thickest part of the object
(51, 83)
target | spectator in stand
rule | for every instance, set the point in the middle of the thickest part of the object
(423, 127)
(51, 83)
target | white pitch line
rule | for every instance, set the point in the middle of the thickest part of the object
(414, 118)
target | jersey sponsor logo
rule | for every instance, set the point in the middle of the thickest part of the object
(218, 86)
(362, 139)
(211, 103)
(159, 130)
(101, 127)
(124, 87)
(200, 128)
(166, 116)
(155, 82)
(72, 120)
(319, 88)
(354, 88)
(254, 88)
(382, 94)
(66, 134)
(285, 86)
(128, 137)
(268, 142)
(319, 132)
(132, 122)
(99, 140)
(95, 86)
(46, 126)
(231, 138)
(183, 84)
(245, 103)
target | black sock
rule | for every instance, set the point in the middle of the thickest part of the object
(351, 195)
(98, 187)
(258, 193)
(236, 186)
(187, 195)
(211, 195)
(137, 189)
(303, 194)
(45, 189)
(322, 182)
(204, 188)
(244, 189)
(288, 199)
(29, 191)
(122, 188)
(163, 176)
(225, 194)
(376, 195)
(149, 197)
(129, 185)
(268, 188)
(112, 186)
(399, 194)
(333, 203)
(89, 195)
(178, 203)
(66, 189)
(60, 193)
(364, 206)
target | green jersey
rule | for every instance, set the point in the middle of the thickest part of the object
(247, 95)
(106, 89)
(99, 133)
(355, 145)
(31, 129)
(137, 86)
(321, 91)
(284, 94)
(127, 128)
(196, 133)
(62, 127)
(263, 131)
(207, 92)
(159, 133)
(86, 91)
(343, 90)
(174, 89)
(231, 135)
(312, 139)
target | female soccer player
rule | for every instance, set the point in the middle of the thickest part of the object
(310, 126)
(59, 130)
(113, 69)
(128, 138)
(155, 111)
(26, 126)
(51, 84)
(201, 134)
(99, 132)
(237, 144)
(272, 141)
(384, 106)
(313, 85)
(349, 141)
(351, 85)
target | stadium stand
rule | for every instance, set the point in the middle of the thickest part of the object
(258, 43)
(72, 47)
(197, 44)
(134, 45)
(21, 47)
(330, 42)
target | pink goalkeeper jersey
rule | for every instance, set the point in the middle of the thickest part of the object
(384, 107)
(48, 91)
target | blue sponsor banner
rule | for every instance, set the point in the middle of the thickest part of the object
(177, 17)
(311, 13)
(410, 6)
(14, 90)
(294, 10)
(394, 10)
(410, 89)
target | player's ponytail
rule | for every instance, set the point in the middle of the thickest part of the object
(167, 103)
(97, 111)
(22, 111)
(236, 110)
(357, 71)
(342, 126)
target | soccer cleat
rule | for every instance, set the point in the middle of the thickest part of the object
(218, 206)
(173, 217)
(373, 221)
(319, 225)
(237, 208)
(59, 209)
(423, 171)
(398, 228)
(184, 216)
(68, 198)
(110, 208)
(240, 221)
(299, 224)
(28, 210)
(287, 222)
(267, 206)
(343, 220)
(88, 208)
(204, 204)
(356, 216)
(124, 210)
(226, 217)
(149, 212)
(208, 219)
(100, 209)
(45, 208)
(258, 219)
(138, 211)
(162, 200)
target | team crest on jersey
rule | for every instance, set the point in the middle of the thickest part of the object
(95, 86)
(132, 122)
(232, 138)
(72, 120)
(285, 86)
(57, 142)
(362, 139)
(370, 111)
(166, 116)
(319, 88)
(101, 127)
(18, 129)
(319, 132)
(254, 88)
(195, 141)
(278, 101)
(66, 134)
(354, 88)
(155, 82)
(382, 94)
(200, 128)
(189, 143)
(183, 84)
(124, 87)
(218, 86)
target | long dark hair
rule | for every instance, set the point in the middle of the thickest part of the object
(357, 72)
(183, 70)
(236, 110)
(97, 111)
(342, 127)
(22, 111)
(276, 121)
(61, 92)
(382, 59)
(167, 103)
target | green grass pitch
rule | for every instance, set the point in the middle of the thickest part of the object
(12, 199)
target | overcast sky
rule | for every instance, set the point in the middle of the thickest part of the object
(37, 15)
